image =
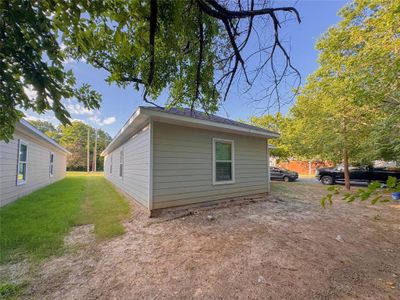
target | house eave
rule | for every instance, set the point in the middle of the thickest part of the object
(135, 123)
(205, 124)
(25, 126)
(143, 116)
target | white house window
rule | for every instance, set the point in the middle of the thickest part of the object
(22, 162)
(111, 165)
(51, 167)
(121, 163)
(223, 161)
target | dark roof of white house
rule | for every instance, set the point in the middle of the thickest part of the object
(183, 117)
(187, 112)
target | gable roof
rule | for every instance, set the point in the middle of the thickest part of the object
(28, 127)
(183, 117)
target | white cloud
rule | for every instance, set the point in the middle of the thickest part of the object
(79, 112)
(49, 117)
(109, 120)
(78, 109)
(101, 122)
(31, 118)
(95, 119)
(79, 120)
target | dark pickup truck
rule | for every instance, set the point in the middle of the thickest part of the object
(357, 174)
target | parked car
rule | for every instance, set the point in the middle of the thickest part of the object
(363, 174)
(283, 174)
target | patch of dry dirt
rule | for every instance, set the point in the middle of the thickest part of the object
(283, 246)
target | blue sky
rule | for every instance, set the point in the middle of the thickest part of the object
(118, 104)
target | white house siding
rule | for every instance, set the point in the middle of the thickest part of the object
(135, 180)
(37, 167)
(182, 166)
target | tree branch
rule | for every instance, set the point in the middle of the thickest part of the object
(153, 27)
(216, 10)
(201, 45)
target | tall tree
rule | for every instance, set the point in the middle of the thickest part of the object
(332, 127)
(196, 48)
(363, 52)
(279, 123)
(74, 138)
(355, 91)
(47, 128)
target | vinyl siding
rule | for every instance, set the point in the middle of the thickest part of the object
(135, 180)
(37, 167)
(183, 172)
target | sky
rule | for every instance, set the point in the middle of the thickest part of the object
(118, 104)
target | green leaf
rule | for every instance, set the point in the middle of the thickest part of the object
(330, 200)
(373, 201)
(323, 204)
(391, 182)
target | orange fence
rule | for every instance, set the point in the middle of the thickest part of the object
(304, 167)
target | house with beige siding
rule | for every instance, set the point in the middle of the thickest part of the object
(166, 158)
(29, 161)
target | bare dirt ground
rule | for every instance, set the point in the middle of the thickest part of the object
(284, 246)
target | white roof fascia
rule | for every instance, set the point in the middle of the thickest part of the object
(25, 125)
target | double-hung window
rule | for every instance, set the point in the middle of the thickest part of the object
(111, 164)
(121, 163)
(22, 162)
(51, 166)
(223, 161)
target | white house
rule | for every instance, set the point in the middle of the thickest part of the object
(166, 158)
(29, 161)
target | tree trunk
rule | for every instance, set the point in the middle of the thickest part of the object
(346, 169)
(88, 152)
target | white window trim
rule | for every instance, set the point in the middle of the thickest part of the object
(214, 162)
(121, 163)
(51, 171)
(22, 142)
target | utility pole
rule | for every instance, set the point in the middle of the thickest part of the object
(94, 167)
(87, 151)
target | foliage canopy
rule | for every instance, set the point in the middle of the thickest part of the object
(194, 48)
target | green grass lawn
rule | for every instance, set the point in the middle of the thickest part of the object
(34, 227)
